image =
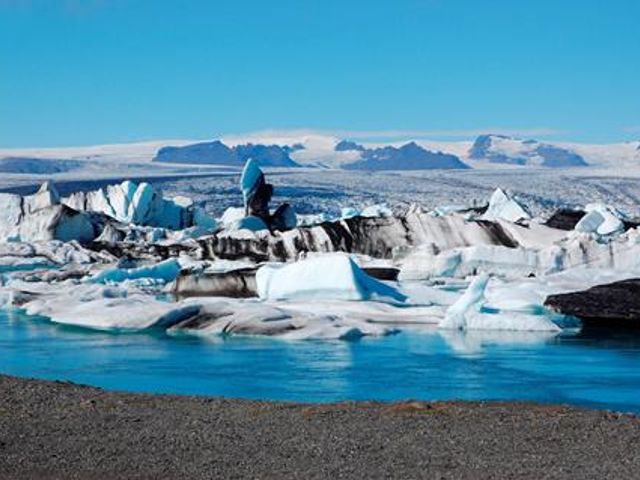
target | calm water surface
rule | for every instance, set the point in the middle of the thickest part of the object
(600, 369)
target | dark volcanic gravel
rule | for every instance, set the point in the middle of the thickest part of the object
(65, 431)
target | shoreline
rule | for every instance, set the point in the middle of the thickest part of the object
(61, 430)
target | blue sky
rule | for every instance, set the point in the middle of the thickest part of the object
(76, 72)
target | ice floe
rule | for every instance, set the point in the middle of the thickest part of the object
(107, 308)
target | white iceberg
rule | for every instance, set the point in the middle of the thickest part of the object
(504, 207)
(332, 276)
(471, 312)
(105, 308)
(468, 305)
(601, 219)
(140, 204)
(378, 210)
(46, 196)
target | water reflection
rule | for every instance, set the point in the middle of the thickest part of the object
(475, 342)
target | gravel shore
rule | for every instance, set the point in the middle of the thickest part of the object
(59, 430)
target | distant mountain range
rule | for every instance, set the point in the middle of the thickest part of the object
(217, 153)
(513, 151)
(317, 150)
(407, 157)
(410, 156)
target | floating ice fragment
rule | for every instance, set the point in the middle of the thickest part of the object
(166, 271)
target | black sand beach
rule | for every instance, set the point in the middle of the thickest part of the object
(53, 430)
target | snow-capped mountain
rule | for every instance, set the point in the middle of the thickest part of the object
(217, 153)
(37, 165)
(318, 150)
(410, 156)
(513, 151)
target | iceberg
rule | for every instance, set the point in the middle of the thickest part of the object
(349, 212)
(139, 204)
(504, 207)
(257, 318)
(378, 210)
(10, 216)
(468, 305)
(257, 195)
(472, 311)
(251, 223)
(334, 276)
(107, 308)
(601, 219)
(251, 180)
(231, 215)
(166, 272)
(39, 217)
(46, 196)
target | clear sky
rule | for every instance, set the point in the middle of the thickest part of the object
(89, 71)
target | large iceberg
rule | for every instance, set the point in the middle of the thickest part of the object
(39, 217)
(84, 216)
(141, 204)
(334, 277)
(257, 194)
(256, 318)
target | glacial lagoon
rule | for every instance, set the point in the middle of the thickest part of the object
(592, 368)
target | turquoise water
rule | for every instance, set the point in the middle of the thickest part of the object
(599, 369)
